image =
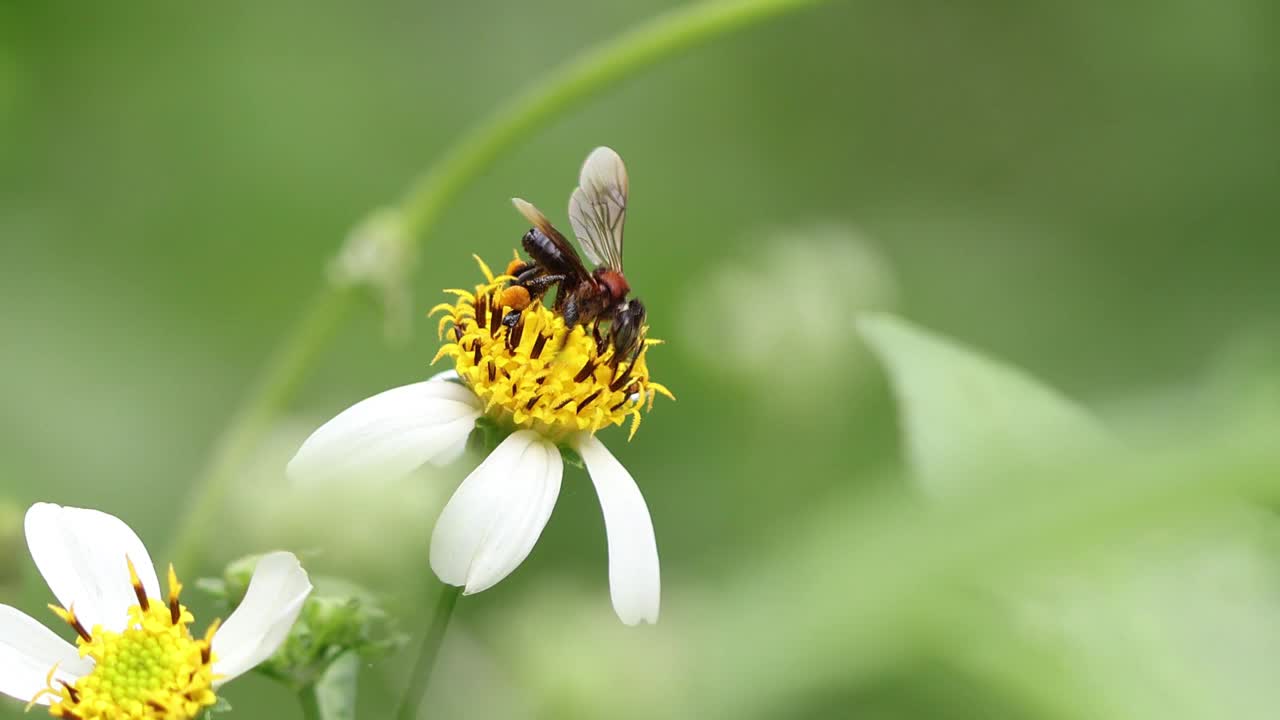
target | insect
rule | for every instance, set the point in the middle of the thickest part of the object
(598, 212)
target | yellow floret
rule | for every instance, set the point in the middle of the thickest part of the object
(538, 372)
(153, 670)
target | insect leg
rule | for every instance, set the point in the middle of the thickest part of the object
(528, 273)
(601, 339)
(571, 310)
(625, 330)
(539, 285)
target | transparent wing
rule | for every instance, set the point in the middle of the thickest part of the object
(598, 208)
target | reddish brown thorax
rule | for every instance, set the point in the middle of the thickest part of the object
(614, 282)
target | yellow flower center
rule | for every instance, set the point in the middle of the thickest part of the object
(152, 670)
(538, 372)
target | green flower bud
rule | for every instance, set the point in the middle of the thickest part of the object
(234, 582)
(339, 618)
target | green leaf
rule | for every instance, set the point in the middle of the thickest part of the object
(967, 418)
(1183, 624)
(336, 690)
(1138, 631)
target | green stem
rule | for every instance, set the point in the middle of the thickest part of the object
(310, 703)
(580, 77)
(420, 679)
(280, 378)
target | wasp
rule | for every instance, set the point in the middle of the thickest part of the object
(598, 213)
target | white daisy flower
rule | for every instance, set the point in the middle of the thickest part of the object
(135, 656)
(550, 384)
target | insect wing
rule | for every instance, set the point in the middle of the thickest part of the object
(598, 208)
(540, 221)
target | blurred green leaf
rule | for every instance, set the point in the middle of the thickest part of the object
(875, 579)
(966, 417)
(336, 689)
(1183, 623)
(1138, 632)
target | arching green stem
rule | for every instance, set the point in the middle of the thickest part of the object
(579, 78)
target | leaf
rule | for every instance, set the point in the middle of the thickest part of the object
(1184, 624)
(336, 690)
(1179, 622)
(967, 418)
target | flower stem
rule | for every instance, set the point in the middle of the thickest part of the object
(420, 679)
(280, 378)
(580, 77)
(310, 703)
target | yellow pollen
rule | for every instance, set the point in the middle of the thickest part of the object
(535, 371)
(153, 670)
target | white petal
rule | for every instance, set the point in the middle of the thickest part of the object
(390, 434)
(28, 651)
(497, 514)
(634, 579)
(257, 628)
(82, 556)
(449, 454)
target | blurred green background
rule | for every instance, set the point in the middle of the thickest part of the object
(1087, 190)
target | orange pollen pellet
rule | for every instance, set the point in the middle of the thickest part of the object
(516, 297)
(515, 266)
